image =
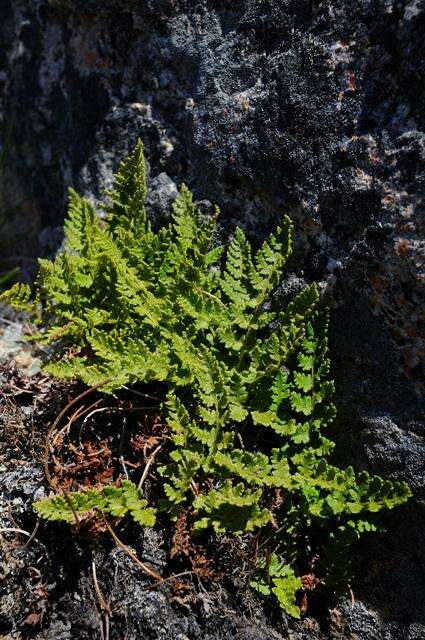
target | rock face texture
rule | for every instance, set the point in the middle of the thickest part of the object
(315, 108)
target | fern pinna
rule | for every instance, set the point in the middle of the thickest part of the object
(248, 390)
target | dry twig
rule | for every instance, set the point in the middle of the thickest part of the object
(103, 605)
(153, 574)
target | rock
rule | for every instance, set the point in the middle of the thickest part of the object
(18, 489)
(14, 349)
(162, 193)
(312, 108)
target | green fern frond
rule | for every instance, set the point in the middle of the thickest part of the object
(19, 297)
(81, 224)
(116, 502)
(231, 508)
(238, 271)
(185, 220)
(285, 589)
(129, 193)
(271, 258)
(278, 578)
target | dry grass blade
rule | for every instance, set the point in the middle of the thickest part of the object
(150, 572)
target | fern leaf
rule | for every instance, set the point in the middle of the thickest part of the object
(129, 194)
(231, 508)
(19, 296)
(285, 589)
(80, 225)
(278, 578)
(115, 501)
(185, 220)
(270, 259)
(235, 282)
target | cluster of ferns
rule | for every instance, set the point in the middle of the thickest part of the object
(248, 396)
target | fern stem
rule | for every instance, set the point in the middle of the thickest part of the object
(210, 295)
(147, 466)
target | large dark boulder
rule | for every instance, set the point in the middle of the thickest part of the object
(315, 108)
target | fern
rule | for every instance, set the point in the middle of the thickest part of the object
(116, 502)
(19, 296)
(279, 579)
(249, 394)
(232, 508)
